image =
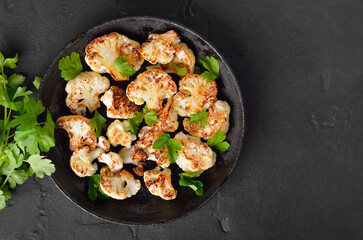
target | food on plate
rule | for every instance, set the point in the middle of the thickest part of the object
(102, 52)
(159, 48)
(205, 117)
(217, 119)
(103, 143)
(144, 147)
(194, 95)
(195, 155)
(159, 183)
(151, 86)
(118, 104)
(183, 58)
(112, 159)
(79, 131)
(118, 185)
(118, 133)
(168, 118)
(83, 92)
(81, 161)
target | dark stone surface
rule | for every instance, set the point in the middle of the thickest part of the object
(300, 66)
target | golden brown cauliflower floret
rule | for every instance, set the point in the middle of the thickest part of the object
(112, 159)
(160, 47)
(147, 137)
(118, 133)
(118, 185)
(183, 57)
(195, 155)
(129, 157)
(118, 104)
(102, 52)
(217, 119)
(83, 92)
(159, 183)
(79, 131)
(194, 95)
(151, 86)
(81, 161)
(168, 118)
(103, 143)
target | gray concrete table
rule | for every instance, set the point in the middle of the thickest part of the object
(300, 66)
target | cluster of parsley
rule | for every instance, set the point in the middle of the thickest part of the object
(26, 130)
(71, 67)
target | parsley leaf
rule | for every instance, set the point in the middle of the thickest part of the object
(135, 122)
(70, 66)
(40, 165)
(150, 117)
(2, 200)
(125, 69)
(172, 146)
(200, 117)
(181, 71)
(212, 68)
(36, 82)
(94, 190)
(217, 141)
(98, 123)
(15, 80)
(187, 181)
(11, 62)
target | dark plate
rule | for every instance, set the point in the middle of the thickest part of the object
(143, 208)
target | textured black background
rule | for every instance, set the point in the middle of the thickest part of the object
(300, 67)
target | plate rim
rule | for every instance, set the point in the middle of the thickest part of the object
(241, 102)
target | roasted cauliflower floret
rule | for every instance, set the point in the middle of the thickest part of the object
(159, 183)
(194, 95)
(118, 185)
(147, 137)
(118, 133)
(103, 143)
(79, 131)
(81, 161)
(168, 118)
(195, 155)
(102, 52)
(118, 104)
(83, 92)
(217, 119)
(127, 154)
(160, 47)
(183, 57)
(151, 86)
(112, 159)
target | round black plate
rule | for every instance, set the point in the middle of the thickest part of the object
(143, 208)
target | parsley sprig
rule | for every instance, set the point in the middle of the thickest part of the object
(98, 123)
(125, 69)
(149, 116)
(22, 136)
(211, 66)
(217, 141)
(187, 181)
(200, 117)
(172, 146)
(70, 66)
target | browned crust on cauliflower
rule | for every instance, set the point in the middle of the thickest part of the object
(160, 47)
(118, 185)
(159, 183)
(101, 53)
(118, 104)
(81, 162)
(168, 118)
(194, 95)
(151, 86)
(217, 119)
(79, 131)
